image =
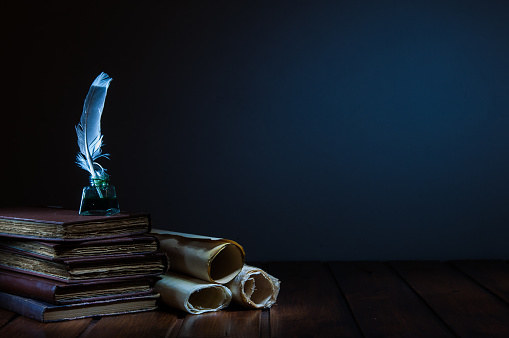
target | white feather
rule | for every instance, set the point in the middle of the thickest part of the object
(89, 128)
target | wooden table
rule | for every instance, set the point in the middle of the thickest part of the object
(328, 299)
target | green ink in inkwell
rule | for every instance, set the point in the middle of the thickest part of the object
(99, 198)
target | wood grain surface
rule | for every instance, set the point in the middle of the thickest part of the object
(328, 299)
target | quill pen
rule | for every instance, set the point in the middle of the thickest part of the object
(89, 128)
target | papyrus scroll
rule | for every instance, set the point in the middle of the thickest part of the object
(192, 295)
(254, 288)
(207, 258)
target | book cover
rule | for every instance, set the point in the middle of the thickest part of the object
(86, 269)
(56, 224)
(59, 293)
(72, 250)
(45, 312)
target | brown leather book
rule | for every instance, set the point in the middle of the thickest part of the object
(45, 312)
(61, 251)
(59, 293)
(79, 270)
(56, 224)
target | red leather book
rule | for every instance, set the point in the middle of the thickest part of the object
(56, 224)
(60, 251)
(79, 270)
(45, 312)
(59, 293)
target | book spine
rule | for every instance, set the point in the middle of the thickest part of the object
(23, 306)
(27, 287)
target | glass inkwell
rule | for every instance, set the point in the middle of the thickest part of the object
(100, 197)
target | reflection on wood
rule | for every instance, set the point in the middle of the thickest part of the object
(317, 299)
(26, 327)
(242, 323)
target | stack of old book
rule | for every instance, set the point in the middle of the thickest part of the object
(57, 265)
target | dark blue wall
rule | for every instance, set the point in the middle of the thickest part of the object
(303, 129)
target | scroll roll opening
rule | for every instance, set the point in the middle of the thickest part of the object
(192, 295)
(207, 258)
(254, 288)
(226, 264)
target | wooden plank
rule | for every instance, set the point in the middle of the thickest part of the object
(143, 324)
(309, 304)
(383, 304)
(225, 323)
(26, 327)
(469, 309)
(492, 274)
(6, 316)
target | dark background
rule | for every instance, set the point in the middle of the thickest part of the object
(303, 130)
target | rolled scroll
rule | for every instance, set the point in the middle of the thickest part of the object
(192, 295)
(254, 288)
(210, 259)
